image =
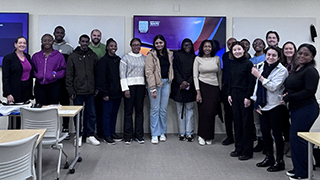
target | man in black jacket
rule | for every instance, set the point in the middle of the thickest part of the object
(80, 83)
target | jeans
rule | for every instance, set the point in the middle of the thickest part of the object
(186, 123)
(158, 109)
(109, 116)
(89, 119)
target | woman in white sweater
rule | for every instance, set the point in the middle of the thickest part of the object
(207, 80)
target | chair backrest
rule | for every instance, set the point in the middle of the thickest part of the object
(16, 158)
(41, 118)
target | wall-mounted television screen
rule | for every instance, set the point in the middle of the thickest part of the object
(12, 25)
(176, 28)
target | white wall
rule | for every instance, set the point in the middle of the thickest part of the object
(128, 8)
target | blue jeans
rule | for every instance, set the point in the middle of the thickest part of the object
(186, 123)
(158, 109)
(109, 116)
(89, 119)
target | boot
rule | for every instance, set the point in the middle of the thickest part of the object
(278, 166)
(260, 146)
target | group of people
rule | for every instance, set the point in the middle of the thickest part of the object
(256, 91)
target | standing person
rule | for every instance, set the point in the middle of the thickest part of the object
(183, 91)
(272, 38)
(207, 76)
(246, 44)
(95, 45)
(109, 89)
(241, 86)
(49, 66)
(288, 60)
(132, 81)
(17, 80)
(228, 114)
(259, 46)
(80, 83)
(271, 75)
(100, 49)
(159, 75)
(301, 87)
(65, 49)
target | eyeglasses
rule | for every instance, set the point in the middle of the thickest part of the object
(136, 45)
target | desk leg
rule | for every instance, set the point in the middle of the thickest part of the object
(310, 164)
(39, 161)
(77, 153)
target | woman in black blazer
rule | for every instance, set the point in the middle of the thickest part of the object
(17, 73)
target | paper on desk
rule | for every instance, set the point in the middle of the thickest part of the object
(67, 111)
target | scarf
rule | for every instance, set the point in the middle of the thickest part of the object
(261, 90)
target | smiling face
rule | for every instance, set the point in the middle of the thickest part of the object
(21, 44)
(237, 51)
(84, 43)
(47, 42)
(136, 47)
(272, 56)
(258, 45)
(187, 47)
(288, 50)
(59, 35)
(159, 44)
(272, 40)
(230, 41)
(112, 48)
(96, 37)
(304, 56)
(207, 48)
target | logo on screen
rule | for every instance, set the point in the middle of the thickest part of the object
(143, 26)
(154, 23)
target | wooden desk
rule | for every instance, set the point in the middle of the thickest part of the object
(13, 135)
(312, 138)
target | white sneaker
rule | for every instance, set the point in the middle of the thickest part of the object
(208, 142)
(154, 140)
(79, 141)
(92, 140)
(163, 138)
(202, 142)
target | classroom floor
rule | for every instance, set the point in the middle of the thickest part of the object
(170, 160)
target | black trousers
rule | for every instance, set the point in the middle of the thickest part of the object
(207, 110)
(286, 126)
(228, 114)
(64, 100)
(243, 123)
(137, 94)
(98, 105)
(47, 93)
(272, 121)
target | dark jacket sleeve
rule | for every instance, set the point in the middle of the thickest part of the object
(6, 76)
(177, 70)
(101, 80)
(70, 73)
(251, 81)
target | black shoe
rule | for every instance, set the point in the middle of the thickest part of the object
(235, 154)
(140, 140)
(260, 146)
(115, 137)
(268, 161)
(244, 157)
(65, 130)
(278, 166)
(109, 140)
(182, 137)
(190, 138)
(227, 141)
(127, 141)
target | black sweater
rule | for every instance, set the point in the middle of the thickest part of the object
(301, 86)
(240, 77)
(108, 77)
